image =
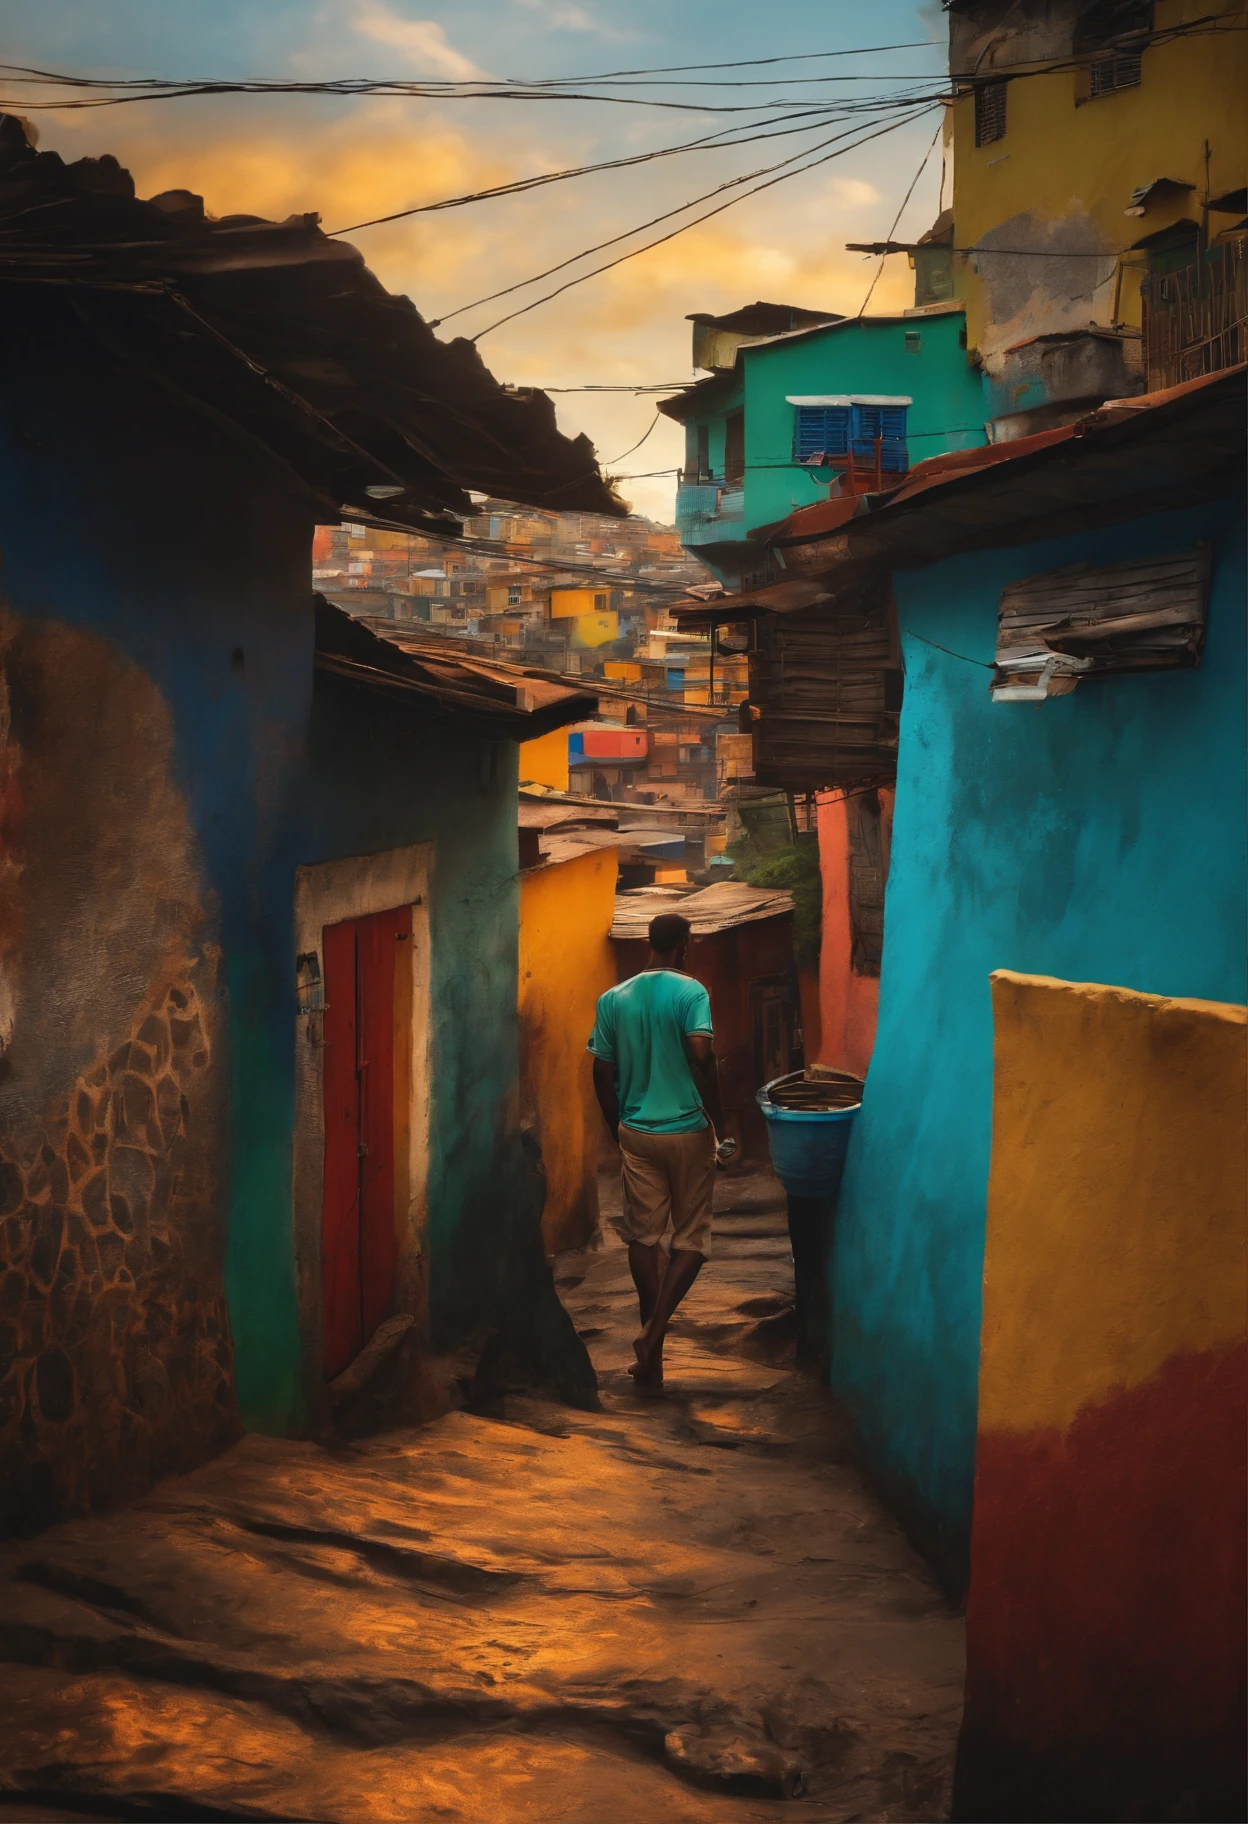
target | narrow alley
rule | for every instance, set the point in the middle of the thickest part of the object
(686, 1609)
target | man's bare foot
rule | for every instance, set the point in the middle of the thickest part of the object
(646, 1370)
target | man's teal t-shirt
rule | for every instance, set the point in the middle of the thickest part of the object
(640, 1028)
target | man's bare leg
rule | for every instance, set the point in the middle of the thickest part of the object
(683, 1267)
(645, 1265)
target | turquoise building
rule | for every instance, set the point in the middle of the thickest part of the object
(794, 400)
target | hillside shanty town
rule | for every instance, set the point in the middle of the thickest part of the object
(623, 912)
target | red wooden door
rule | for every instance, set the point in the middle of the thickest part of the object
(359, 1220)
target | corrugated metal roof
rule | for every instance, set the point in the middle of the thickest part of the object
(503, 699)
(719, 908)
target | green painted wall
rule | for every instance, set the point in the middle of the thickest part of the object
(868, 356)
(854, 357)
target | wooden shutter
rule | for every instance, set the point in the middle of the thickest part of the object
(990, 100)
(1089, 621)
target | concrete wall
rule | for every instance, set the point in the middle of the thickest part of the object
(1106, 1643)
(1100, 836)
(1058, 182)
(566, 962)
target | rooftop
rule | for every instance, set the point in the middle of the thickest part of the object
(282, 332)
(722, 907)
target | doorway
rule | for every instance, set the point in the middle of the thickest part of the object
(367, 1014)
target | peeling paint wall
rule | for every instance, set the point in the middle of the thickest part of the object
(1050, 196)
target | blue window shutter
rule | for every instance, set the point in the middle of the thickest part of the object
(821, 430)
(888, 422)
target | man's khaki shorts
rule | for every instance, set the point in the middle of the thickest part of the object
(668, 1177)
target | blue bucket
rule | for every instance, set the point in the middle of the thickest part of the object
(808, 1146)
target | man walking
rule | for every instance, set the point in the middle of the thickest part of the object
(657, 1084)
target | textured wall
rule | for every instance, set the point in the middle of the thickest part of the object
(1105, 1626)
(1051, 194)
(1100, 836)
(566, 962)
(115, 1359)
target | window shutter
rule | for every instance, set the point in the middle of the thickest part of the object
(990, 112)
(1096, 621)
(822, 430)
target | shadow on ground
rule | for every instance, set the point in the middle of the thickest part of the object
(682, 1609)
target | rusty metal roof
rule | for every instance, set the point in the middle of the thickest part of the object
(284, 333)
(1131, 457)
(503, 700)
(722, 907)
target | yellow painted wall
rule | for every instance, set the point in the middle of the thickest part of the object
(624, 669)
(566, 962)
(1062, 160)
(591, 630)
(545, 760)
(1116, 1199)
(565, 603)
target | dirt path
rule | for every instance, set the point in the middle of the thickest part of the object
(685, 1609)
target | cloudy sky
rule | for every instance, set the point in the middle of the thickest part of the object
(351, 160)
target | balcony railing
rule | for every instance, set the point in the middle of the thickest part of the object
(1196, 320)
(704, 505)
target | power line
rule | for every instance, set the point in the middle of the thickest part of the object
(706, 142)
(905, 199)
(661, 239)
(655, 420)
(731, 183)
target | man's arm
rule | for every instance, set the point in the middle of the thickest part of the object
(607, 1094)
(700, 1050)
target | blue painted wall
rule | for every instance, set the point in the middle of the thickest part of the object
(1095, 837)
(122, 512)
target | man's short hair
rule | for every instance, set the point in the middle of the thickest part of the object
(668, 931)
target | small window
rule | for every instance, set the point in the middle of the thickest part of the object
(675, 677)
(515, 593)
(830, 432)
(600, 604)
(1121, 71)
(914, 342)
(822, 430)
(734, 447)
(989, 112)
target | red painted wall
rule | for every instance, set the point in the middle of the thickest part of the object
(848, 1002)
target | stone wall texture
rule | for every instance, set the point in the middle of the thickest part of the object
(115, 1355)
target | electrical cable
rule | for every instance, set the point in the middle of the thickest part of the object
(661, 239)
(905, 199)
(614, 459)
(712, 142)
(693, 202)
